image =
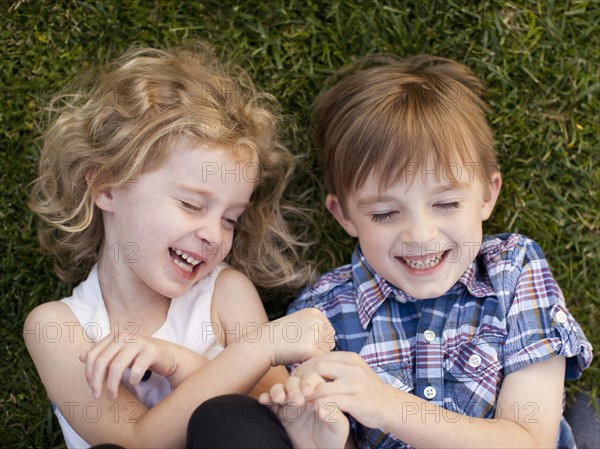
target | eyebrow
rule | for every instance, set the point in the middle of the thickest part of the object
(459, 185)
(374, 199)
(196, 191)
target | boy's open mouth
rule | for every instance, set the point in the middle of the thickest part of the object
(424, 262)
(183, 260)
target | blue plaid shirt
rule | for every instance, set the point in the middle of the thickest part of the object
(504, 313)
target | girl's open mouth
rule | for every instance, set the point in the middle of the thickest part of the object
(184, 260)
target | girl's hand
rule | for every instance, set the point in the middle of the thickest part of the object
(299, 336)
(308, 424)
(111, 356)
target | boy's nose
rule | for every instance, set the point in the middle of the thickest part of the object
(419, 229)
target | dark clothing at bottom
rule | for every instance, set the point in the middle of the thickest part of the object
(235, 421)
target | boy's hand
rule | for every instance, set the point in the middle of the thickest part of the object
(352, 385)
(110, 357)
(308, 424)
(299, 336)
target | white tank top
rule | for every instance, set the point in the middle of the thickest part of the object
(187, 324)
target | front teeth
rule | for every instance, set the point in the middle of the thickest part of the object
(182, 265)
(187, 257)
(422, 264)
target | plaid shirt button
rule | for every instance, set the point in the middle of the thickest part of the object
(430, 392)
(474, 361)
(561, 317)
(429, 336)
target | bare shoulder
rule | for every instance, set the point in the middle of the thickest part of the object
(54, 339)
(232, 280)
(48, 322)
(52, 310)
(236, 301)
(234, 288)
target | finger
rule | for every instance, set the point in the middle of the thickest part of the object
(278, 394)
(264, 398)
(309, 383)
(294, 393)
(122, 360)
(139, 367)
(330, 335)
(321, 366)
(341, 387)
(101, 365)
(333, 365)
(94, 352)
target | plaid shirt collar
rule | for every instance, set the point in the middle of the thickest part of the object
(372, 290)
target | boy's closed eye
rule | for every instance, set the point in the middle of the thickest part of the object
(448, 206)
(382, 217)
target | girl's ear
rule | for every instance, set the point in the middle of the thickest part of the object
(494, 186)
(334, 206)
(104, 199)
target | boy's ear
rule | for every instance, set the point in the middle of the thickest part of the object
(333, 205)
(495, 184)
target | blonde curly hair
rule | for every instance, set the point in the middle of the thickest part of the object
(125, 124)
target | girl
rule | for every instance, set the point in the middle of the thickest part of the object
(143, 179)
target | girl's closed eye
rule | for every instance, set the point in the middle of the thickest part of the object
(230, 222)
(191, 207)
(378, 218)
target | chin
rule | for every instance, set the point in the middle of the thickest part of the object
(426, 294)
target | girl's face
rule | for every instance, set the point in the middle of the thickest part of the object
(173, 225)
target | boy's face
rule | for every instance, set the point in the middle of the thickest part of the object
(422, 235)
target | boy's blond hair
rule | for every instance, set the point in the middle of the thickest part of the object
(107, 134)
(398, 117)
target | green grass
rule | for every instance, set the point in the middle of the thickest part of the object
(540, 62)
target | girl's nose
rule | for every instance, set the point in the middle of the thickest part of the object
(210, 231)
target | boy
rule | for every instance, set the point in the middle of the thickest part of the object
(447, 338)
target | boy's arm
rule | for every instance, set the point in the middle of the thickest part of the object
(528, 410)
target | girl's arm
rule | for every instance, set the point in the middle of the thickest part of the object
(126, 421)
(238, 309)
